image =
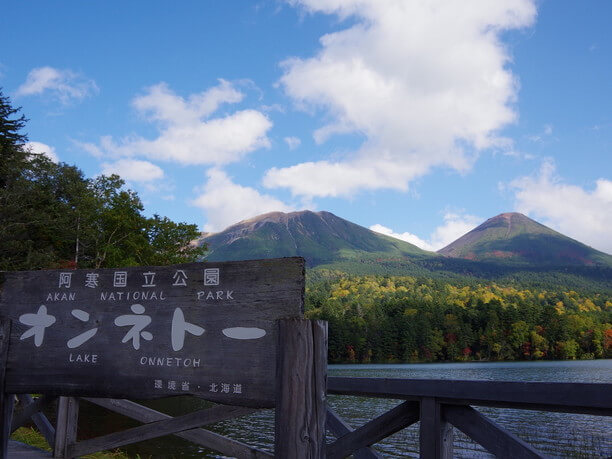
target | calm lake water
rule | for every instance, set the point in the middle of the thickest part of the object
(555, 434)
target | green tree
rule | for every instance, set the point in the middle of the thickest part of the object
(12, 141)
(52, 216)
(171, 243)
(519, 337)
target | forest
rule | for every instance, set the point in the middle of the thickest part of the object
(393, 319)
(54, 217)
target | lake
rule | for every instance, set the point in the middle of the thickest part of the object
(555, 434)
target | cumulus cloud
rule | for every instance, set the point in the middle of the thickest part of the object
(64, 85)
(160, 103)
(581, 214)
(426, 83)
(454, 226)
(292, 142)
(42, 149)
(133, 170)
(326, 178)
(226, 202)
(187, 132)
(408, 237)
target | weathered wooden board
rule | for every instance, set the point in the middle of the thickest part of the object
(7, 401)
(487, 433)
(588, 398)
(206, 329)
(301, 388)
(31, 409)
(435, 434)
(18, 450)
(339, 427)
(373, 431)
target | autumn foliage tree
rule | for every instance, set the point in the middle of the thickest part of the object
(409, 319)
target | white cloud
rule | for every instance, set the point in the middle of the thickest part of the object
(408, 237)
(226, 202)
(187, 134)
(42, 149)
(545, 134)
(133, 170)
(454, 226)
(161, 104)
(92, 149)
(548, 129)
(64, 85)
(324, 178)
(581, 214)
(292, 142)
(426, 83)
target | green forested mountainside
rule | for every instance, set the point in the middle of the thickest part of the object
(596, 278)
(330, 242)
(52, 216)
(319, 237)
(412, 319)
(513, 238)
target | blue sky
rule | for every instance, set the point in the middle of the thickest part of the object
(420, 119)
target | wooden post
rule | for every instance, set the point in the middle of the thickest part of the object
(301, 380)
(66, 428)
(7, 401)
(436, 435)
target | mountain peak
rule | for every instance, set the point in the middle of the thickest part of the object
(274, 217)
(320, 237)
(514, 237)
(509, 216)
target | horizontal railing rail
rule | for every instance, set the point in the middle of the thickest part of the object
(441, 404)
(583, 398)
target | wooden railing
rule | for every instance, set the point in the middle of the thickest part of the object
(441, 404)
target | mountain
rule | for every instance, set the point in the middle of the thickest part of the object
(513, 238)
(320, 237)
(509, 248)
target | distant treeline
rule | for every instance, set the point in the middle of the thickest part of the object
(410, 319)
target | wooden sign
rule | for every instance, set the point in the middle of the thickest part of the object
(205, 329)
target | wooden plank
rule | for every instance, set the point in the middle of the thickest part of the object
(157, 429)
(206, 438)
(7, 401)
(27, 408)
(172, 330)
(375, 430)
(488, 434)
(301, 389)
(531, 406)
(66, 426)
(31, 409)
(527, 395)
(18, 450)
(340, 427)
(435, 435)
